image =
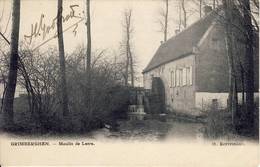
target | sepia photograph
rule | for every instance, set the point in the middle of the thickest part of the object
(129, 83)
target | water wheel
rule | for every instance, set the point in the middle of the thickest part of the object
(157, 96)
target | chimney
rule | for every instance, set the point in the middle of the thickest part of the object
(207, 9)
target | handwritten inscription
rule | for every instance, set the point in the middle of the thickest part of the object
(41, 29)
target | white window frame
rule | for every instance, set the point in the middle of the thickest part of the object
(188, 75)
(181, 76)
(184, 76)
(191, 76)
(177, 77)
(174, 78)
(171, 79)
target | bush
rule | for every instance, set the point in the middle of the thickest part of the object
(219, 123)
(40, 110)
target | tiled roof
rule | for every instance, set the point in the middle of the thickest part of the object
(182, 44)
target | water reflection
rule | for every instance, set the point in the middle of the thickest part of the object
(134, 117)
(153, 128)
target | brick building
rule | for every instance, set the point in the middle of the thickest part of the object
(193, 66)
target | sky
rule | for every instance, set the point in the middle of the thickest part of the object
(106, 17)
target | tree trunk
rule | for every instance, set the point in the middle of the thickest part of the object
(232, 105)
(249, 64)
(166, 20)
(13, 66)
(88, 68)
(129, 53)
(200, 8)
(217, 3)
(131, 67)
(180, 18)
(88, 42)
(3, 94)
(184, 14)
(126, 68)
(129, 56)
(63, 82)
(235, 102)
(242, 73)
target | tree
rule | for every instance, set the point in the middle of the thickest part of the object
(38, 74)
(200, 7)
(128, 29)
(229, 35)
(163, 21)
(184, 22)
(200, 3)
(249, 62)
(214, 4)
(63, 83)
(13, 66)
(88, 66)
(183, 14)
(88, 24)
(245, 63)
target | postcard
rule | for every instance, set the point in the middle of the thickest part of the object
(129, 83)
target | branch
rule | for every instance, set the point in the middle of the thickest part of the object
(9, 18)
(256, 3)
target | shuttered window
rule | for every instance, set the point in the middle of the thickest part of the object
(177, 77)
(173, 78)
(184, 77)
(189, 75)
(181, 77)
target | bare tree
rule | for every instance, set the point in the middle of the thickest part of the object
(199, 4)
(184, 22)
(246, 62)
(88, 41)
(200, 7)
(228, 8)
(13, 65)
(127, 25)
(63, 82)
(163, 20)
(88, 63)
(38, 74)
(166, 19)
(214, 4)
(249, 61)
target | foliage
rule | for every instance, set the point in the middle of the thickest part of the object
(108, 97)
(219, 124)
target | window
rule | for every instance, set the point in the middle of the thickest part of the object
(177, 78)
(172, 78)
(189, 75)
(184, 77)
(181, 77)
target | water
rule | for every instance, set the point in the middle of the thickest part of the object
(152, 128)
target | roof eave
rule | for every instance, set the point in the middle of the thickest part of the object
(179, 57)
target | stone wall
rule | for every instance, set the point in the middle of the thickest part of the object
(177, 98)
